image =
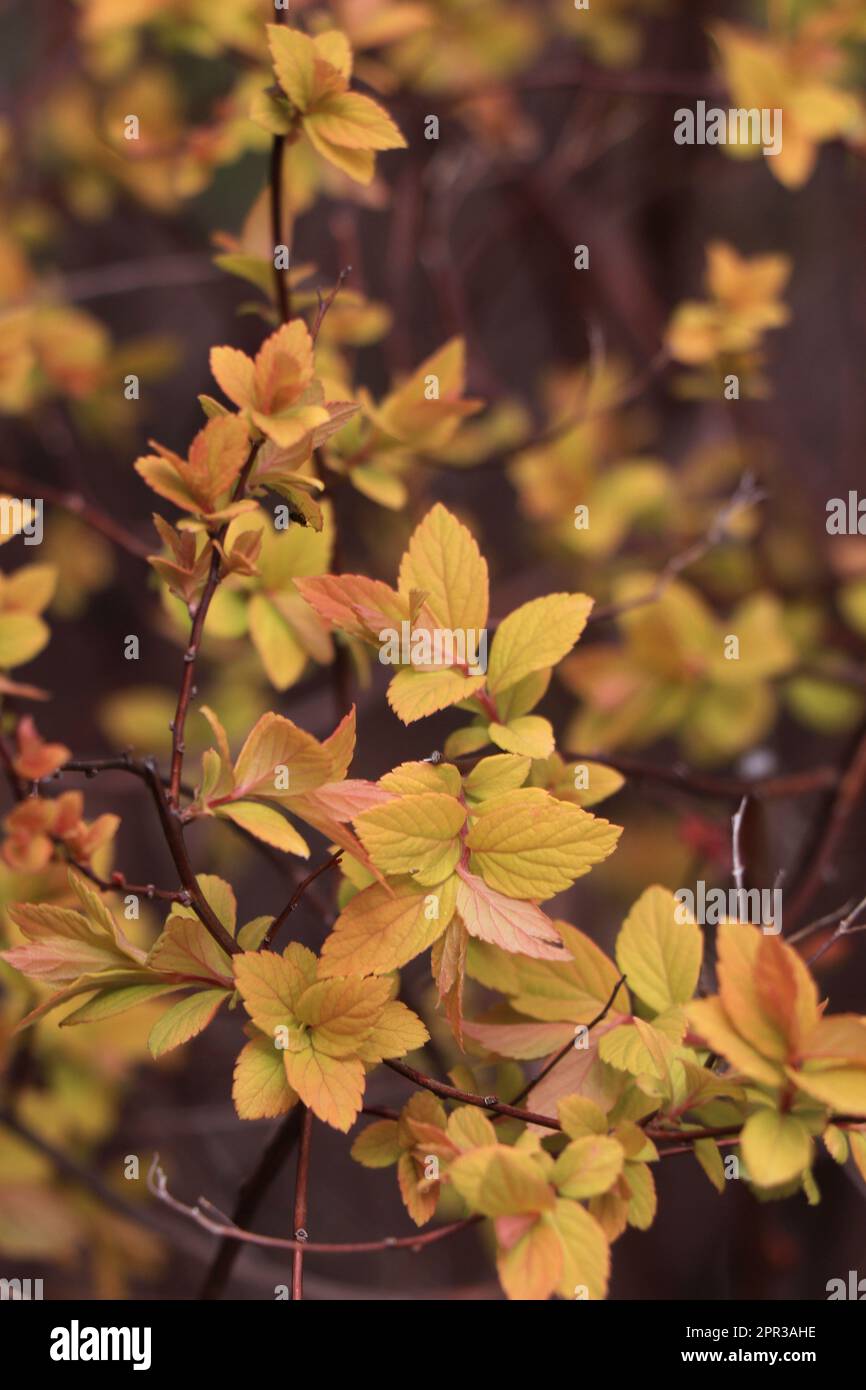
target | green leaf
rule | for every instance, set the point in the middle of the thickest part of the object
(185, 1020)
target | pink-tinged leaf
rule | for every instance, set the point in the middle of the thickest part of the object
(581, 1072)
(515, 926)
(525, 1041)
(360, 606)
(343, 801)
(309, 810)
(340, 746)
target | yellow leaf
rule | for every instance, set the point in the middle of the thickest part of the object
(377, 1146)
(341, 1012)
(776, 1148)
(332, 1087)
(587, 1166)
(334, 46)
(275, 751)
(709, 1156)
(354, 122)
(281, 653)
(576, 990)
(396, 1031)
(381, 928)
(586, 1253)
(504, 772)
(786, 991)
(187, 948)
(443, 560)
(498, 1181)
(29, 589)
(261, 1090)
(660, 956)
(185, 1020)
(531, 1268)
(294, 58)
(643, 1201)
(738, 948)
(536, 635)
(360, 165)
(270, 985)
(836, 1143)
(528, 734)
(636, 1048)
(839, 1036)
(414, 694)
(529, 845)
(234, 373)
(409, 779)
(710, 1021)
(858, 1151)
(22, 636)
(267, 824)
(419, 1196)
(415, 835)
(842, 1088)
(468, 1128)
(580, 1072)
(580, 1117)
(524, 1040)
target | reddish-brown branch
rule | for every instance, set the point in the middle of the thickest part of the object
(190, 656)
(297, 896)
(250, 1197)
(828, 832)
(496, 1107)
(172, 829)
(281, 285)
(220, 1225)
(793, 784)
(75, 505)
(118, 884)
(299, 1214)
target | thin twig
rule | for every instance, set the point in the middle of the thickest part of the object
(172, 829)
(491, 1103)
(829, 828)
(220, 1225)
(190, 656)
(118, 884)
(706, 785)
(746, 495)
(827, 920)
(75, 505)
(297, 896)
(564, 1051)
(739, 866)
(325, 301)
(846, 927)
